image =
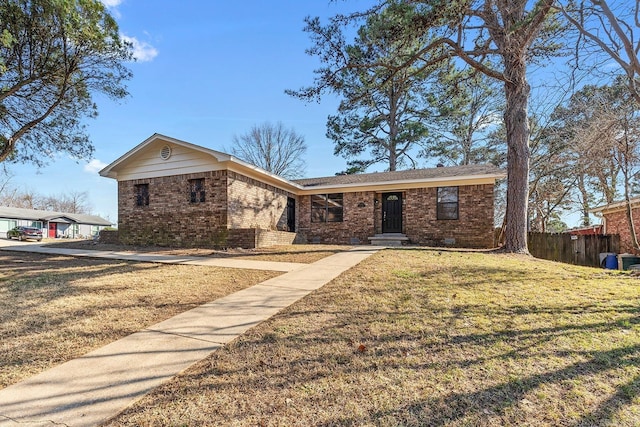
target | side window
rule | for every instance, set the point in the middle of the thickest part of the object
(327, 207)
(196, 189)
(447, 202)
(142, 194)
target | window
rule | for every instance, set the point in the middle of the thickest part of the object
(142, 194)
(196, 188)
(447, 202)
(326, 207)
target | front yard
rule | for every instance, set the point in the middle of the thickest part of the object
(424, 337)
(56, 308)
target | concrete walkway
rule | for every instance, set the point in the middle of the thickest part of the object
(97, 386)
(13, 245)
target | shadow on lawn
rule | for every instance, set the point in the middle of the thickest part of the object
(282, 361)
(201, 251)
(495, 400)
(420, 338)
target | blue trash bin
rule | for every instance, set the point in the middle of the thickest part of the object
(611, 262)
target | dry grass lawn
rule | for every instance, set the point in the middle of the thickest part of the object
(427, 338)
(305, 254)
(55, 308)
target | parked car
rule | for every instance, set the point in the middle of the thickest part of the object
(23, 233)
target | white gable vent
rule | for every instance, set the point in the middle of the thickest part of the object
(165, 152)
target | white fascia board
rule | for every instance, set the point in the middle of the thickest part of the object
(402, 184)
(613, 207)
(252, 171)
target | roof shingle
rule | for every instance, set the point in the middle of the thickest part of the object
(406, 175)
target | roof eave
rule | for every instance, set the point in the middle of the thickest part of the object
(400, 183)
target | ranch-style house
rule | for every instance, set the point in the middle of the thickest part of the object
(174, 193)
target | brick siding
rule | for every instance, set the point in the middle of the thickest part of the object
(617, 224)
(238, 211)
(362, 218)
(356, 226)
(254, 204)
(171, 219)
(232, 201)
(250, 238)
(473, 228)
(109, 236)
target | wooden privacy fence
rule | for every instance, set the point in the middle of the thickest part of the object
(572, 249)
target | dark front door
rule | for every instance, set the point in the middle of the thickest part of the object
(291, 214)
(392, 213)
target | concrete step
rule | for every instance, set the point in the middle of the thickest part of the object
(388, 239)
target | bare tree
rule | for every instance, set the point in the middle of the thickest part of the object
(273, 148)
(614, 132)
(613, 28)
(71, 202)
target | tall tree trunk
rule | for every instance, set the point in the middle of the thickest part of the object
(627, 160)
(629, 212)
(517, 125)
(393, 160)
(586, 207)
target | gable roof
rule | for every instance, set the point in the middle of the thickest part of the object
(132, 165)
(229, 161)
(39, 215)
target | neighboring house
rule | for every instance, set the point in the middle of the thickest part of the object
(614, 221)
(171, 192)
(53, 224)
(589, 230)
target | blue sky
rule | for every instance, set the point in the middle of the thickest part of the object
(206, 70)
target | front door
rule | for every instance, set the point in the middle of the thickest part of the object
(53, 230)
(291, 214)
(392, 213)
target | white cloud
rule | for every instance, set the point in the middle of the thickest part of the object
(94, 166)
(142, 51)
(111, 3)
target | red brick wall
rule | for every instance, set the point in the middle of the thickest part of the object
(617, 224)
(257, 238)
(236, 202)
(170, 219)
(254, 204)
(473, 228)
(357, 224)
(232, 201)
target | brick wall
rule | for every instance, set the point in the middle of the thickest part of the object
(254, 204)
(109, 236)
(473, 228)
(235, 202)
(357, 224)
(171, 219)
(617, 224)
(266, 238)
(250, 238)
